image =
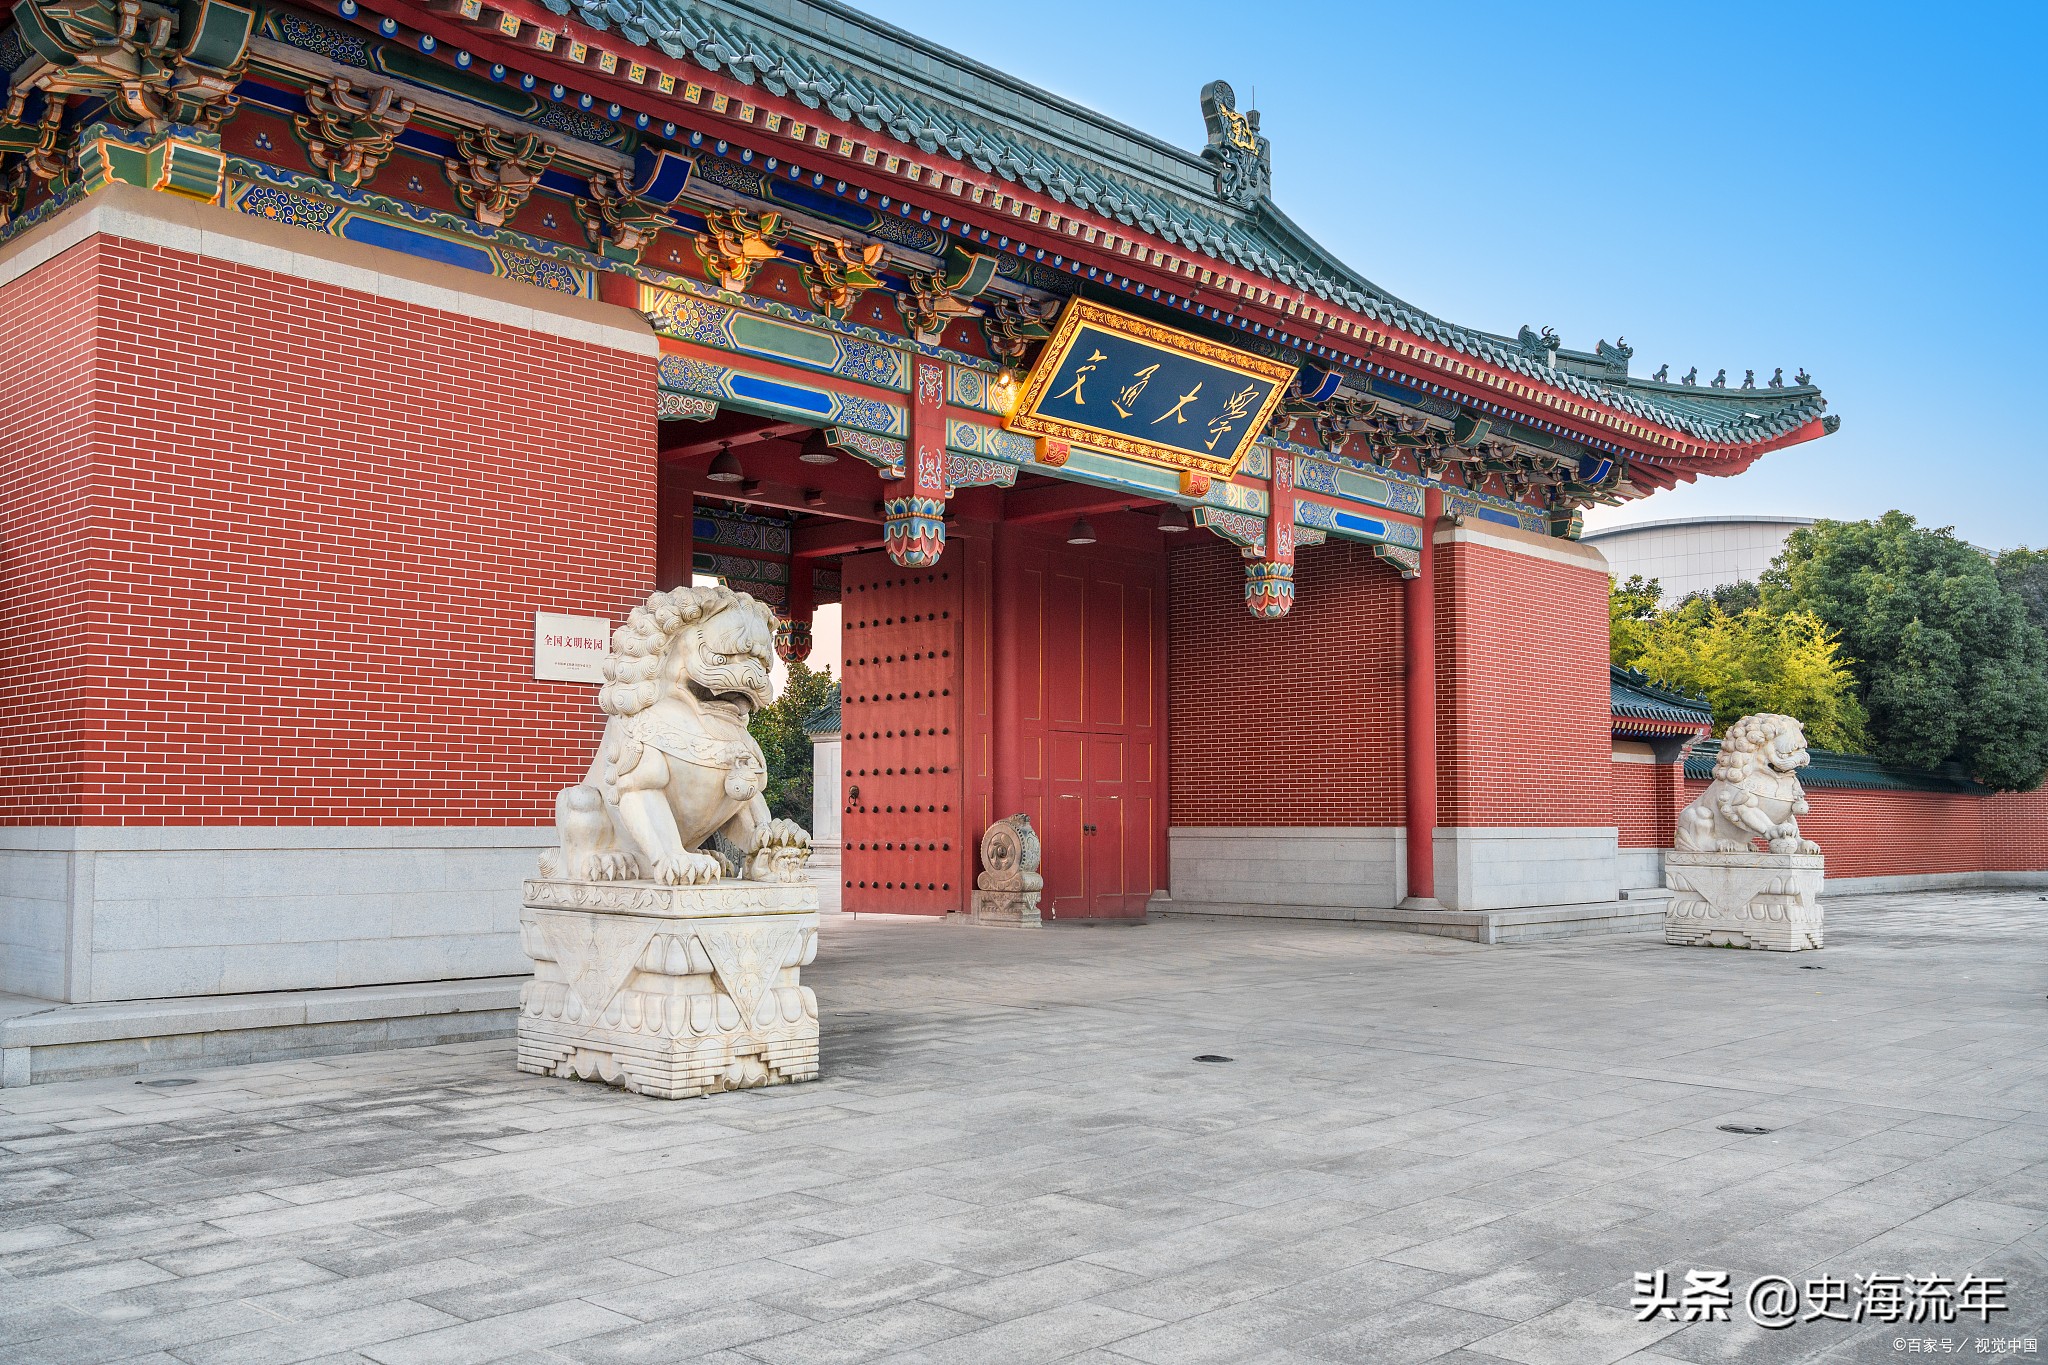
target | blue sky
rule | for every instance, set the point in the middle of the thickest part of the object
(1858, 190)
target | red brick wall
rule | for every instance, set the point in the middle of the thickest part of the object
(326, 519)
(1647, 799)
(1525, 727)
(1288, 722)
(53, 432)
(2016, 832)
(1869, 833)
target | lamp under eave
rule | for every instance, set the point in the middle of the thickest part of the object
(725, 468)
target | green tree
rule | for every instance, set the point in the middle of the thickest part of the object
(1631, 609)
(1951, 670)
(1733, 598)
(1752, 661)
(779, 729)
(2025, 572)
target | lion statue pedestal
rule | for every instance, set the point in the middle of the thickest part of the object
(1730, 895)
(669, 929)
(669, 991)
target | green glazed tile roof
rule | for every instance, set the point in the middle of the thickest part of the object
(861, 70)
(824, 720)
(1635, 697)
(1830, 769)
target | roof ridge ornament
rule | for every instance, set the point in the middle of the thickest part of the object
(1240, 156)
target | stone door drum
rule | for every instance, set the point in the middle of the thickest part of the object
(902, 752)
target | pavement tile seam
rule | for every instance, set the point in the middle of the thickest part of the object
(1049, 1165)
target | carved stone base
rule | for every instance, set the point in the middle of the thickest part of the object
(1014, 909)
(1744, 900)
(670, 991)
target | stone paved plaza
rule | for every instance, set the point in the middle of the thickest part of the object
(1421, 1150)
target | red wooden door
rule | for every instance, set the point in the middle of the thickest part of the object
(904, 847)
(1083, 639)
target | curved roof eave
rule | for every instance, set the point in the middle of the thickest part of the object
(828, 56)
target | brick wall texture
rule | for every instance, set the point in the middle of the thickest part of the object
(272, 548)
(53, 569)
(1313, 702)
(1647, 799)
(1294, 722)
(1524, 724)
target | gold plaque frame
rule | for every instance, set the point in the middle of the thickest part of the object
(1025, 417)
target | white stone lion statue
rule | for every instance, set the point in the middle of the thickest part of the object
(1755, 793)
(674, 794)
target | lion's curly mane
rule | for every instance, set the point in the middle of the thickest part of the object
(1742, 748)
(632, 671)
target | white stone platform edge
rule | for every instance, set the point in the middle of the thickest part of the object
(1641, 912)
(1934, 881)
(49, 1040)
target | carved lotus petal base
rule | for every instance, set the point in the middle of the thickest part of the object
(669, 991)
(1744, 900)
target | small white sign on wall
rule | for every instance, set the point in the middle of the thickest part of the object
(570, 648)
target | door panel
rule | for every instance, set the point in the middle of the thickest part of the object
(1104, 653)
(1065, 658)
(1084, 679)
(902, 759)
(1141, 841)
(1066, 875)
(1106, 871)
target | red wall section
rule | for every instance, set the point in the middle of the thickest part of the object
(1870, 833)
(54, 439)
(1524, 722)
(2016, 832)
(329, 518)
(1647, 799)
(1288, 722)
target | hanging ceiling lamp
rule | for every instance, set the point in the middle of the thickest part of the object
(1080, 533)
(1174, 519)
(817, 450)
(725, 467)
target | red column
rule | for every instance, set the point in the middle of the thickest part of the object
(1418, 630)
(914, 510)
(674, 534)
(1269, 581)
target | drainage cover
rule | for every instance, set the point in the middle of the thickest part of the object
(1748, 1128)
(168, 1083)
(1212, 1057)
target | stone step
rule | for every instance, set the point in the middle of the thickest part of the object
(45, 1040)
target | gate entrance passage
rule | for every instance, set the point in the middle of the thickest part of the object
(1080, 649)
(1023, 674)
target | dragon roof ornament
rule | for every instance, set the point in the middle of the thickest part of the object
(1242, 157)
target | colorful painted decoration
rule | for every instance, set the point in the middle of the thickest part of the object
(1148, 392)
(792, 640)
(348, 133)
(1268, 588)
(914, 530)
(914, 523)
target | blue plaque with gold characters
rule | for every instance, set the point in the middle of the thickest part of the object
(1118, 383)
